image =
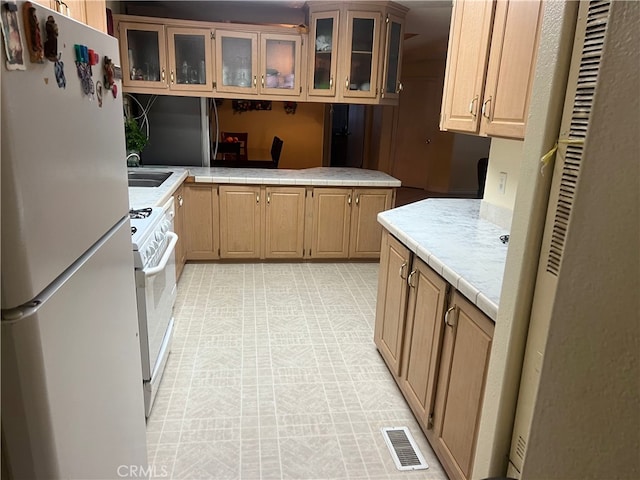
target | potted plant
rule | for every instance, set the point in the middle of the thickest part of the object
(136, 141)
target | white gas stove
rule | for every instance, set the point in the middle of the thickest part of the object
(154, 245)
(149, 228)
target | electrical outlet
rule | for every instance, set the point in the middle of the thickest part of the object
(502, 183)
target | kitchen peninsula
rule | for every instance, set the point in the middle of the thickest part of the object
(316, 213)
(441, 269)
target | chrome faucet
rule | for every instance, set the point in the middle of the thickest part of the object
(136, 160)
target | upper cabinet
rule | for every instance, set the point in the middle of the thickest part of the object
(355, 52)
(258, 63)
(156, 58)
(490, 66)
(183, 57)
(190, 59)
(91, 12)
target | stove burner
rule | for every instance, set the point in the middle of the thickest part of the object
(140, 213)
(133, 230)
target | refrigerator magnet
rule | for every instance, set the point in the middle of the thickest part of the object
(51, 43)
(12, 37)
(99, 93)
(33, 36)
(58, 69)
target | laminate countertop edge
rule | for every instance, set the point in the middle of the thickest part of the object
(450, 237)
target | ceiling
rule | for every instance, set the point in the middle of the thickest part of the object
(426, 28)
(428, 21)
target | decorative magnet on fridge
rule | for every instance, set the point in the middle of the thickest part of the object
(32, 30)
(110, 74)
(12, 38)
(51, 43)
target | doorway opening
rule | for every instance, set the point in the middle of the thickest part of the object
(347, 135)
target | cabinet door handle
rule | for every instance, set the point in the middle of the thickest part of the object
(402, 267)
(162, 74)
(262, 80)
(413, 272)
(349, 199)
(357, 199)
(346, 83)
(180, 200)
(485, 110)
(257, 198)
(400, 87)
(172, 78)
(331, 82)
(446, 317)
(255, 81)
(472, 111)
(268, 198)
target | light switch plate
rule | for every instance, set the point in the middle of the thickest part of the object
(502, 183)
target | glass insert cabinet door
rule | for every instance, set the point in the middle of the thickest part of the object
(280, 57)
(190, 62)
(143, 55)
(363, 35)
(393, 57)
(236, 54)
(323, 64)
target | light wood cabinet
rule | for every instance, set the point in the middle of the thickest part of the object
(178, 225)
(201, 221)
(237, 62)
(284, 222)
(96, 12)
(391, 304)
(466, 348)
(240, 221)
(422, 339)
(345, 222)
(331, 222)
(190, 59)
(490, 65)
(365, 234)
(90, 12)
(261, 222)
(438, 359)
(352, 54)
(156, 58)
(258, 63)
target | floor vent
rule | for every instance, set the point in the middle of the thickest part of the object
(403, 448)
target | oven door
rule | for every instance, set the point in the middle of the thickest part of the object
(156, 291)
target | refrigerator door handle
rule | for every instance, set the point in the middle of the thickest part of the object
(150, 272)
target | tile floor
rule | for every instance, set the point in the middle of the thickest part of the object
(274, 375)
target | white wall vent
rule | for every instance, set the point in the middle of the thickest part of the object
(596, 29)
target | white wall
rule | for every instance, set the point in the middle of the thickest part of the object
(505, 156)
(467, 150)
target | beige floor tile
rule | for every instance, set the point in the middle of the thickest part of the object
(274, 375)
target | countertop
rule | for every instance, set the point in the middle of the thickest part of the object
(140, 197)
(319, 176)
(450, 236)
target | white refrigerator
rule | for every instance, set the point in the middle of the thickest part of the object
(72, 402)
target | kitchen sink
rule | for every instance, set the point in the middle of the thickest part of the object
(147, 179)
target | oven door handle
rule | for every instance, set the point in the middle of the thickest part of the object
(165, 258)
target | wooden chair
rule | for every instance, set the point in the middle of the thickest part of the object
(276, 150)
(242, 139)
